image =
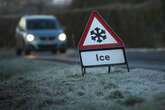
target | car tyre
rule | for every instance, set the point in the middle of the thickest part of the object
(27, 52)
(18, 52)
(54, 51)
(62, 50)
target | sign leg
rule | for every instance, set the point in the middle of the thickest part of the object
(128, 67)
(126, 60)
(109, 69)
(83, 69)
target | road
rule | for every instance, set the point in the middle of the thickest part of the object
(154, 60)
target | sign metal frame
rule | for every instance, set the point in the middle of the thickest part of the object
(83, 68)
(93, 48)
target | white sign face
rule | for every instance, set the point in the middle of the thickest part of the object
(98, 35)
(102, 57)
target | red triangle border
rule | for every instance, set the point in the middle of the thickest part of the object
(96, 15)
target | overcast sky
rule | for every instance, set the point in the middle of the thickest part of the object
(62, 2)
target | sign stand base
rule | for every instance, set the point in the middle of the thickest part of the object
(83, 69)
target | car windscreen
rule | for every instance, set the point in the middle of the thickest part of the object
(38, 24)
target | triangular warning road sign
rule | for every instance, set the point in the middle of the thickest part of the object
(99, 35)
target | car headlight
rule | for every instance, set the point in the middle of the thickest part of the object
(30, 37)
(62, 37)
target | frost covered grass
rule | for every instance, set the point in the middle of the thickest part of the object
(42, 85)
(11, 66)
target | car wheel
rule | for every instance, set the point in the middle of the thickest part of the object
(27, 52)
(62, 50)
(18, 52)
(54, 51)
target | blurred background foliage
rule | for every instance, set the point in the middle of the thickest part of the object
(140, 23)
(95, 3)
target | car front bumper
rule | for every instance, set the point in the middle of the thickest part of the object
(50, 45)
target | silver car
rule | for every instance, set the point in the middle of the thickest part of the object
(40, 32)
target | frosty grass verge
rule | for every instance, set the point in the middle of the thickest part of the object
(34, 85)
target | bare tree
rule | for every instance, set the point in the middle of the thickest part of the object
(163, 8)
(9, 6)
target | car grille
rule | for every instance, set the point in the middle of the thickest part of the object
(47, 38)
(47, 46)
